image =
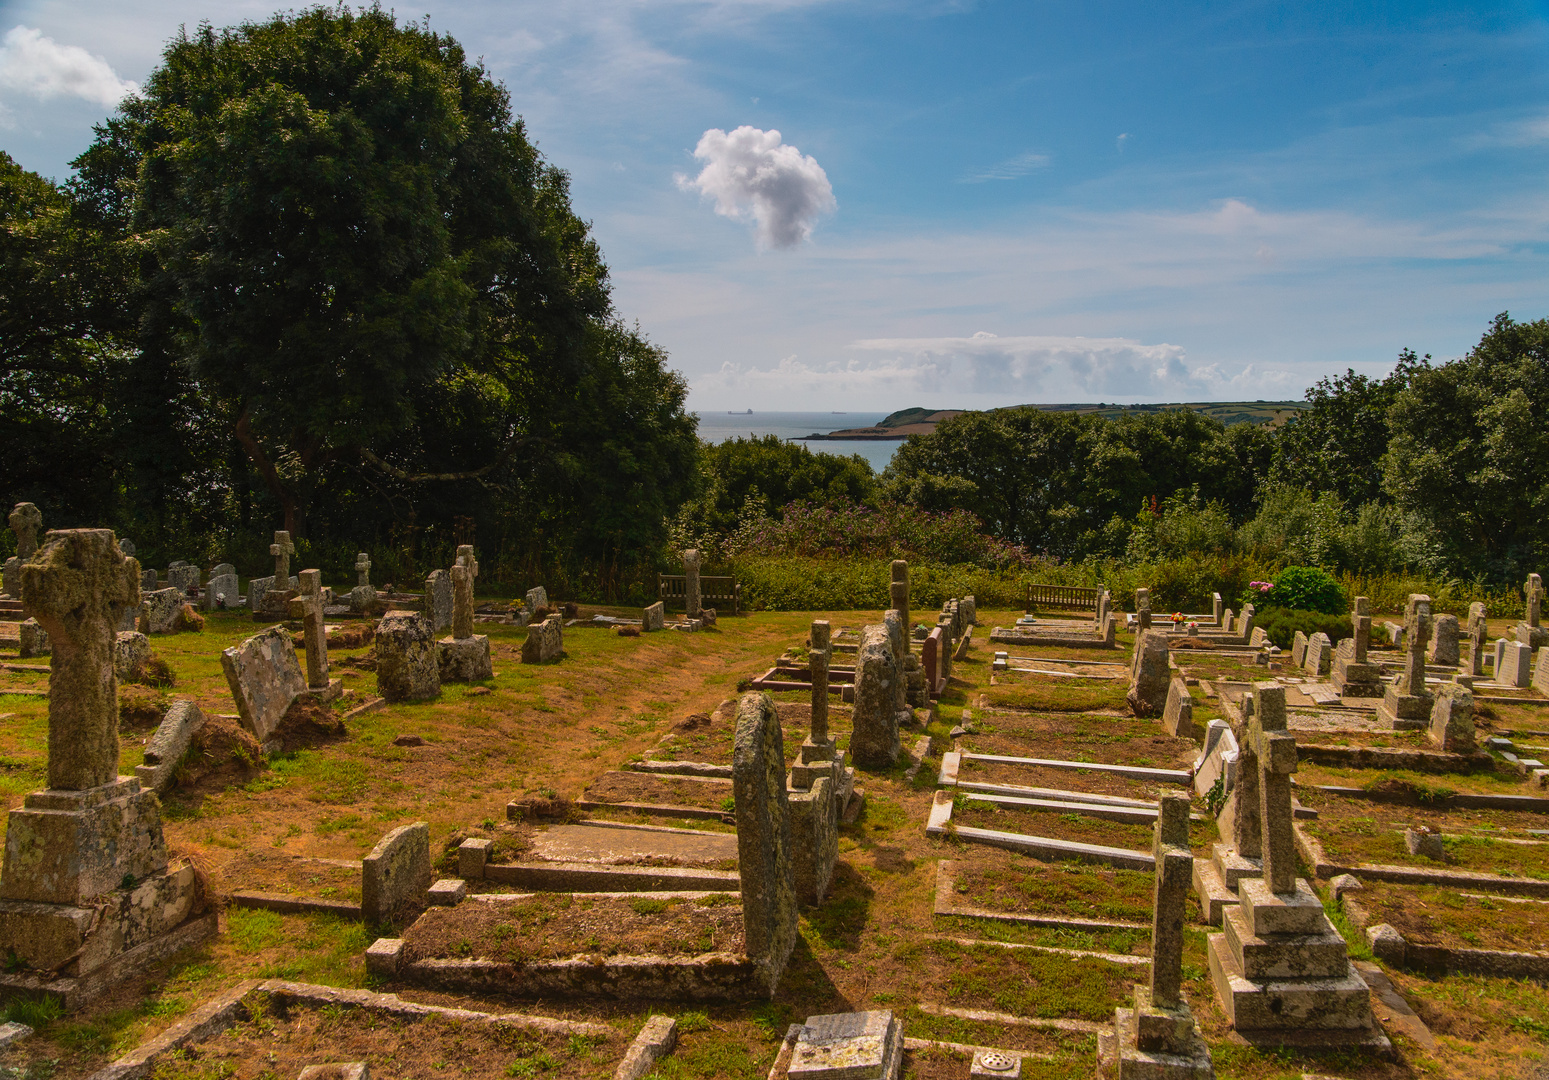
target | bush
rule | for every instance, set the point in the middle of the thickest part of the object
(1281, 624)
(1304, 588)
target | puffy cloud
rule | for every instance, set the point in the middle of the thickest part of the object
(751, 173)
(42, 67)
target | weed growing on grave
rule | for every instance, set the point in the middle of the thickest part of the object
(693, 1020)
(34, 1012)
(252, 930)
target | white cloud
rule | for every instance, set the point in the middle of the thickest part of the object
(40, 66)
(751, 173)
(1010, 169)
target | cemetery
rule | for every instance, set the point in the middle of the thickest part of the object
(336, 835)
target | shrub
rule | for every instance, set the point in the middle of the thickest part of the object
(1281, 624)
(1304, 588)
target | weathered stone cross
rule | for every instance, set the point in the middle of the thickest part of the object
(1174, 868)
(817, 664)
(1478, 630)
(76, 586)
(898, 593)
(462, 600)
(691, 596)
(25, 522)
(465, 556)
(282, 549)
(1361, 626)
(363, 569)
(1534, 590)
(308, 607)
(1274, 751)
(1417, 631)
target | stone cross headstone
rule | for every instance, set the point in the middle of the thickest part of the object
(1417, 631)
(1170, 897)
(76, 586)
(1478, 630)
(1274, 751)
(25, 520)
(1534, 590)
(308, 607)
(465, 557)
(817, 662)
(691, 599)
(1361, 626)
(362, 569)
(462, 601)
(900, 597)
(764, 860)
(1142, 610)
(282, 549)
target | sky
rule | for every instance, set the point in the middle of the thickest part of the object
(879, 204)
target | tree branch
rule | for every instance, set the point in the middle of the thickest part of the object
(476, 474)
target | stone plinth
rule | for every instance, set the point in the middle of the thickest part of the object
(464, 659)
(1356, 678)
(407, 665)
(66, 847)
(1180, 1054)
(848, 1046)
(814, 838)
(1404, 712)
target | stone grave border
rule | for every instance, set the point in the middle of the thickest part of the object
(1313, 854)
(940, 826)
(1389, 946)
(224, 1010)
(1461, 800)
(946, 904)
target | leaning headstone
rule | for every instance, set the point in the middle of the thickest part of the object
(1444, 640)
(395, 877)
(85, 877)
(537, 598)
(184, 578)
(407, 666)
(874, 737)
(308, 607)
(438, 599)
(653, 617)
(33, 639)
(1478, 631)
(160, 609)
(131, 652)
(848, 1046)
(691, 596)
(1159, 1037)
(265, 678)
(545, 641)
(1452, 719)
(168, 744)
(1178, 713)
(1516, 669)
(464, 657)
(764, 859)
(1406, 705)
(1320, 655)
(1149, 674)
(1299, 650)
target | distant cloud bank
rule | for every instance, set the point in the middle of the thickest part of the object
(750, 173)
(40, 66)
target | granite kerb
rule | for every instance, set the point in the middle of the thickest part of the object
(1391, 947)
(1312, 852)
(707, 977)
(940, 824)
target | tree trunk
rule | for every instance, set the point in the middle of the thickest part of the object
(288, 502)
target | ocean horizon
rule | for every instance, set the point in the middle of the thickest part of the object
(717, 427)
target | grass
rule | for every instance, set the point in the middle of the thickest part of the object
(1065, 695)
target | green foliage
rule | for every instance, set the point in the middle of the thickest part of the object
(1336, 445)
(35, 1012)
(1281, 624)
(1303, 588)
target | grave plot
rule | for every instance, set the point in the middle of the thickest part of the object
(708, 737)
(1126, 830)
(1430, 917)
(331, 881)
(1410, 784)
(1051, 695)
(664, 795)
(1006, 886)
(1118, 740)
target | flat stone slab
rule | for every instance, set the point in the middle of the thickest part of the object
(1135, 772)
(848, 1046)
(600, 844)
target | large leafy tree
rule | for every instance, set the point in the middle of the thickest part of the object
(1467, 446)
(1337, 443)
(348, 227)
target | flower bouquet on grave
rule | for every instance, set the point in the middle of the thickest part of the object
(1177, 619)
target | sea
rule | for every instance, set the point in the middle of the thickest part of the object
(717, 427)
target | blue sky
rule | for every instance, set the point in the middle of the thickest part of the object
(982, 203)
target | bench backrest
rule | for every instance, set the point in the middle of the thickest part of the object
(673, 586)
(1075, 597)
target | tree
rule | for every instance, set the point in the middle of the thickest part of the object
(1336, 445)
(1468, 440)
(346, 221)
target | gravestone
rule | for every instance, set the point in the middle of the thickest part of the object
(1528, 631)
(1178, 713)
(1149, 674)
(308, 607)
(653, 617)
(847, 1046)
(1245, 623)
(537, 598)
(131, 652)
(814, 838)
(1299, 650)
(900, 646)
(265, 679)
(32, 638)
(25, 520)
(362, 596)
(464, 657)
(395, 877)
(160, 610)
(691, 597)
(764, 860)
(274, 601)
(1452, 719)
(87, 894)
(1104, 606)
(898, 591)
(948, 643)
(148, 581)
(168, 744)
(465, 557)
(545, 641)
(1320, 655)
(1478, 630)
(126, 546)
(1158, 1037)
(1541, 672)
(362, 569)
(1280, 969)
(930, 662)
(183, 577)
(1216, 608)
(1142, 610)
(222, 590)
(1499, 657)
(970, 609)
(1516, 665)
(874, 737)
(1444, 640)
(407, 666)
(1406, 705)
(438, 600)
(1354, 674)
(818, 652)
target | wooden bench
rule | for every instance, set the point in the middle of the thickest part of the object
(1069, 597)
(718, 593)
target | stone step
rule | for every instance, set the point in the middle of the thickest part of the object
(1214, 896)
(1287, 1004)
(1231, 867)
(1284, 956)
